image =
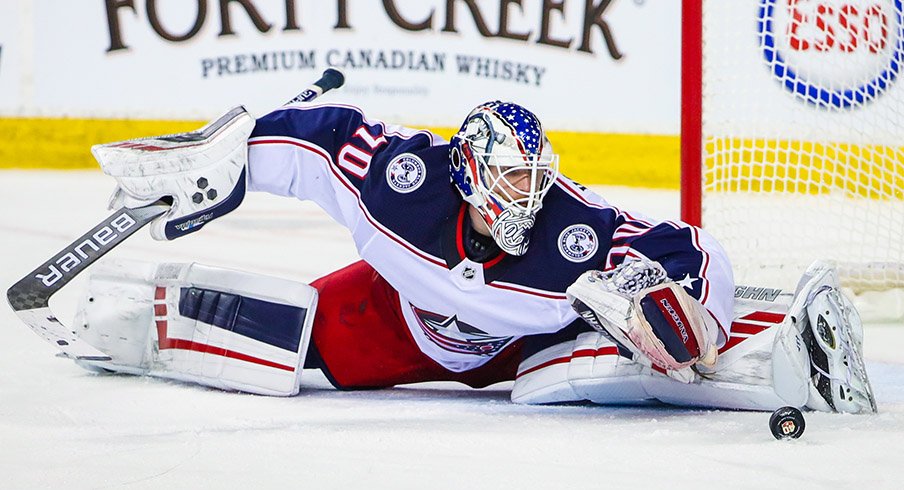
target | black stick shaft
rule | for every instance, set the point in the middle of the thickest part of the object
(331, 78)
(35, 289)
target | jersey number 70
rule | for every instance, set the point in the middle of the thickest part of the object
(356, 160)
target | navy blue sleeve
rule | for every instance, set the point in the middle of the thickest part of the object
(359, 147)
(356, 168)
(690, 256)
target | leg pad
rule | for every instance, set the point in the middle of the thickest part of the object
(219, 328)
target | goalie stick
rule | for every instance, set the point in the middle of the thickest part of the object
(30, 296)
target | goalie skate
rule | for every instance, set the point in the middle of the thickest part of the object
(833, 333)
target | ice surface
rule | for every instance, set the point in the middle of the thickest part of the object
(62, 427)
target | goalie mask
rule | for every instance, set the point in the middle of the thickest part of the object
(503, 165)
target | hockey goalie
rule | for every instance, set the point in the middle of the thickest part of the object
(480, 264)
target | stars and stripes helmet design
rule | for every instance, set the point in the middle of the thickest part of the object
(503, 165)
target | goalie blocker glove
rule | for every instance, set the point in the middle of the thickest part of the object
(201, 173)
(640, 309)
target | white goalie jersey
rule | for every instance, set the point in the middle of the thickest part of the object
(390, 186)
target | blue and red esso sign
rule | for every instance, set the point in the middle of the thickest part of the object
(833, 53)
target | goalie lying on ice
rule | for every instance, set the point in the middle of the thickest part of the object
(511, 271)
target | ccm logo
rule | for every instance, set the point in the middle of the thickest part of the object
(79, 252)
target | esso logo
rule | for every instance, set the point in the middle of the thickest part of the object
(838, 53)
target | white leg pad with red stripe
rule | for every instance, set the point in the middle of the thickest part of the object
(220, 328)
(761, 367)
(543, 377)
(587, 368)
(598, 374)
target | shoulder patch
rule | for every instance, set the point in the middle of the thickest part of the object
(578, 243)
(405, 173)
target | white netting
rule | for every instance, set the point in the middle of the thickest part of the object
(803, 127)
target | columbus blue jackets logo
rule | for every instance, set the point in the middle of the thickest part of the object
(454, 335)
(406, 173)
(578, 243)
(833, 54)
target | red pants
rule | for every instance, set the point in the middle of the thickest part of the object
(363, 341)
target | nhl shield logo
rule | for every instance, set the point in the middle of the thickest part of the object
(578, 243)
(468, 273)
(405, 173)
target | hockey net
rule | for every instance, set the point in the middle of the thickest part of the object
(793, 136)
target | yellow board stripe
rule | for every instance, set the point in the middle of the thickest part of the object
(589, 158)
(56, 143)
(651, 161)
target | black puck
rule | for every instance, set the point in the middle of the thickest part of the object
(787, 423)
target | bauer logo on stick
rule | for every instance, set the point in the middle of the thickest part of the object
(833, 53)
(72, 257)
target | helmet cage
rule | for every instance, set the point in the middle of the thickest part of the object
(502, 179)
(519, 182)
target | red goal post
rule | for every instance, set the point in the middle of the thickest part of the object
(691, 109)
